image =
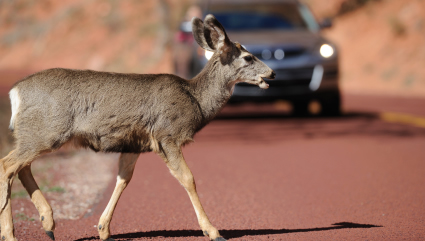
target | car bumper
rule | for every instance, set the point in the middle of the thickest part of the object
(293, 83)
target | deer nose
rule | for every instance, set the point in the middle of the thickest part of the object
(273, 75)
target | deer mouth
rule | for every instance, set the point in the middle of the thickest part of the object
(263, 84)
(259, 81)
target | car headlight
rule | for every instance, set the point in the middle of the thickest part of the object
(208, 54)
(326, 51)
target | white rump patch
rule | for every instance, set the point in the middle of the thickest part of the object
(15, 100)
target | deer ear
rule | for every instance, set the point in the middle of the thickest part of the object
(199, 33)
(215, 35)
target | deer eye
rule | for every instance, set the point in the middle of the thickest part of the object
(248, 58)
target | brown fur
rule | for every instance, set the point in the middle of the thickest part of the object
(126, 113)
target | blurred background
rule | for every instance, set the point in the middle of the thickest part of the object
(381, 49)
(382, 43)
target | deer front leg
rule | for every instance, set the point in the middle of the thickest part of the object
(179, 169)
(43, 207)
(7, 229)
(127, 163)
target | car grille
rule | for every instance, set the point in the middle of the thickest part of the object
(288, 53)
(294, 74)
(290, 77)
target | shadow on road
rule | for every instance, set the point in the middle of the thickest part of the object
(287, 116)
(267, 128)
(229, 234)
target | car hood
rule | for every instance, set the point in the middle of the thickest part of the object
(301, 38)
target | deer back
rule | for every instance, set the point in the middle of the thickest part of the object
(104, 111)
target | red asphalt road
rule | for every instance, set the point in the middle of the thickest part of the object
(279, 178)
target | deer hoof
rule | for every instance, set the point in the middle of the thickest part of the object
(50, 234)
(219, 239)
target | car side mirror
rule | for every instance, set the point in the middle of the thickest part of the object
(186, 27)
(326, 23)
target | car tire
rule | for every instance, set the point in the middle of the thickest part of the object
(300, 108)
(331, 106)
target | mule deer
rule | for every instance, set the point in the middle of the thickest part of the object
(126, 113)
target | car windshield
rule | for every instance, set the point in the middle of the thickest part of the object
(252, 17)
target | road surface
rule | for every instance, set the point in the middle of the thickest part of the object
(357, 177)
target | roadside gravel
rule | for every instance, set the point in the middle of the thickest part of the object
(71, 180)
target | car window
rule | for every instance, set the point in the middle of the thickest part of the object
(283, 16)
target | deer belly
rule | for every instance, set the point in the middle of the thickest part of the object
(114, 143)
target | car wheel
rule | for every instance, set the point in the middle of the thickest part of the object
(300, 108)
(331, 106)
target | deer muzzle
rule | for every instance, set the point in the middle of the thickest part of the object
(262, 83)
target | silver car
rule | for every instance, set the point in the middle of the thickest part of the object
(286, 36)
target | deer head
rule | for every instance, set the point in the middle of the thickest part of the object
(239, 65)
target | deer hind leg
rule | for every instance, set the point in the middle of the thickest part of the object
(127, 163)
(9, 167)
(173, 157)
(43, 207)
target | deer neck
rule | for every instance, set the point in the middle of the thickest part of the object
(211, 88)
